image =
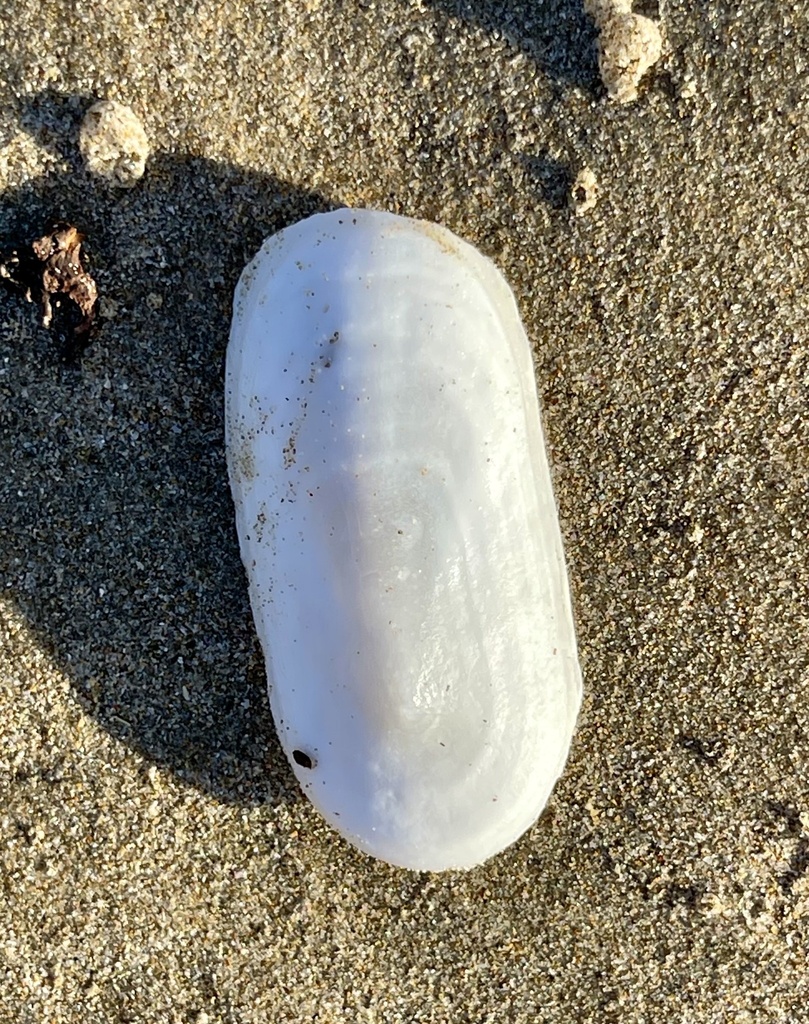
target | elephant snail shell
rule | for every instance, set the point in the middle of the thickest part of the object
(397, 523)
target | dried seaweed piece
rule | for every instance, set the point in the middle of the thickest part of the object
(52, 267)
(60, 252)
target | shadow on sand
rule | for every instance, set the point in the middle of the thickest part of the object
(557, 35)
(119, 547)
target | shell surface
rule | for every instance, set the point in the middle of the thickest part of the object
(398, 527)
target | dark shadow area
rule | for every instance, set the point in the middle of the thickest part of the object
(552, 179)
(118, 541)
(557, 35)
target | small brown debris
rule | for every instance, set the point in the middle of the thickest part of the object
(49, 269)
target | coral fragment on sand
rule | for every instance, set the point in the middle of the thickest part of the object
(113, 143)
(628, 45)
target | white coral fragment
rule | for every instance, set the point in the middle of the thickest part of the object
(113, 143)
(584, 193)
(628, 45)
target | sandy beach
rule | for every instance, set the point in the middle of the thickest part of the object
(158, 863)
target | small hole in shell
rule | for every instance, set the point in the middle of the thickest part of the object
(304, 760)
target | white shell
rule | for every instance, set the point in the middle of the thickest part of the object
(398, 527)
